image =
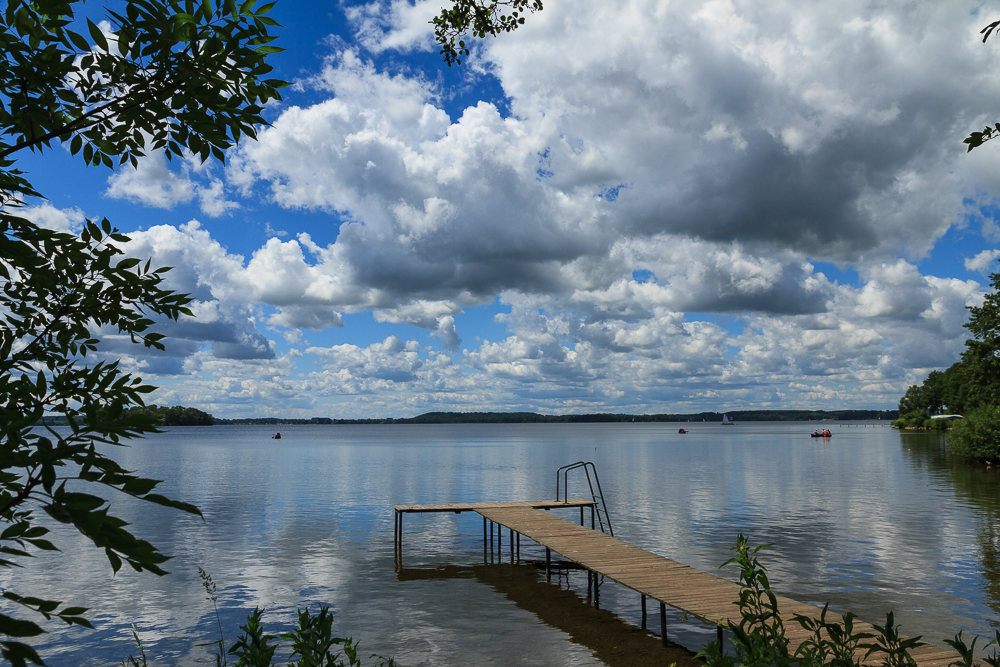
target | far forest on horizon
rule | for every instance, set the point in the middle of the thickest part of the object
(535, 418)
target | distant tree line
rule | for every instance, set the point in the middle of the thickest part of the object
(152, 415)
(969, 387)
(177, 415)
(535, 418)
(736, 415)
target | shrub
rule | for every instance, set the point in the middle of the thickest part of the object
(977, 437)
(910, 419)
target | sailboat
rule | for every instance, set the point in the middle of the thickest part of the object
(726, 421)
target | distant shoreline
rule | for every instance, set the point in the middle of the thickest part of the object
(535, 418)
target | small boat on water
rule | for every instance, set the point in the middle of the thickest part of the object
(726, 421)
(825, 433)
(681, 431)
(276, 436)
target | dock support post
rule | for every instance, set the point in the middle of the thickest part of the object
(663, 623)
(484, 540)
(499, 543)
(592, 517)
(643, 612)
(718, 635)
(548, 564)
(597, 592)
(491, 541)
(511, 546)
(590, 590)
(519, 547)
(581, 515)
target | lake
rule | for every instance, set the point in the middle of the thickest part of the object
(872, 519)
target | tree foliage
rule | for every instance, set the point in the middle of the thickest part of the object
(481, 17)
(976, 139)
(967, 384)
(177, 415)
(977, 437)
(169, 74)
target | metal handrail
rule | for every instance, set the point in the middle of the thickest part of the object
(587, 466)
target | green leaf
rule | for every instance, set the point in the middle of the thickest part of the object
(78, 41)
(13, 627)
(97, 35)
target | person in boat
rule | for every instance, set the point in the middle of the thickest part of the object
(681, 431)
(816, 433)
(827, 434)
(276, 436)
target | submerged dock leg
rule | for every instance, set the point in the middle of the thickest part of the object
(484, 541)
(548, 564)
(663, 623)
(718, 635)
(519, 547)
(643, 612)
(491, 541)
(511, 546)
(499, 542)
(590, 591)
(597, 592)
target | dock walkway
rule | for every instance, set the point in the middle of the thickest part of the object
(700, 594)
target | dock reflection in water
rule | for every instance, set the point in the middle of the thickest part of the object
(612, 640)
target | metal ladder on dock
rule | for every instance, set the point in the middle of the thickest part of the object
(600, 507)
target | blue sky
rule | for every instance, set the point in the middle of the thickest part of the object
(644, 207)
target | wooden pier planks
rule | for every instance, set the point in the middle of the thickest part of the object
(706, 596)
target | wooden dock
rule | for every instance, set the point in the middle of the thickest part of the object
(705, 596)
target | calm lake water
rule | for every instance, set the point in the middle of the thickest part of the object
(871, 520)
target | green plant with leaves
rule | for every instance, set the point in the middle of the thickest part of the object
(759, 637)
(132, 661)
(253, 648)
(966, 652)
(171, 75)
(212, 595)
(831, 643)
(481, 17)
(313, 641)
(976, 139)
(977, 437)
(893, 647)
